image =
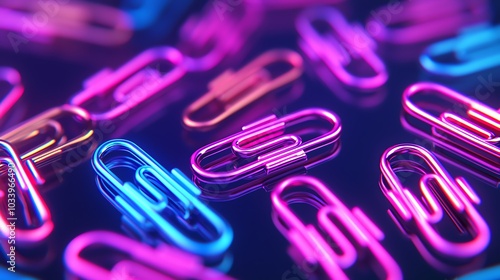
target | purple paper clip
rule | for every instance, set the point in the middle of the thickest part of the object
(404, 29)
(45, 22)
(132, 260)
(20, 189)
(343, 47)
(465, 126)
(264, 152)
(8, 99)
(418, 215)
(129, 86)
(221, 30)
(355, 236)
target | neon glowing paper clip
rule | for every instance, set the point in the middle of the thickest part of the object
(441, 195)
(475, 50)
(298, 4)
(29, 201)
(130, 85)
(8, 99)
(47, 140)
(218, 32)
(263, 151)
(233, 90)
(80, 21)
(469, 127)
(490, 273)
(159, 201)
(340, 47)
(424, 21)
(138, 260)
(337, 221)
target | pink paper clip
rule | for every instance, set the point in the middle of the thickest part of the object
(82, 21)
(8, 99)
(265, 150)
(20, 196)
(405, 29)
(129, 86)
(466, 126)
(418, 216)
(342, 47)
(233, 90)
(339, 224)
(221, 30)
(132, 260)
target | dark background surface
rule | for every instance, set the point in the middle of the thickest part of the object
(259, 249)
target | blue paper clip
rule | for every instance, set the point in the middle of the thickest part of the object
(490, 273)
(148, 14)
(157, 202)
(475, 49)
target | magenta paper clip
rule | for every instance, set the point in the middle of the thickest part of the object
(419, 215)
(342, 47)
(8, 99)
(354, 235)
(20, 196)
(466, 126)
(265, 150)
(220, 31)
(130, 259)
(129, 86)
(408, 27)
(45, 22)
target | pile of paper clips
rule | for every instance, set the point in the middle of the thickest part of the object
(172, 233)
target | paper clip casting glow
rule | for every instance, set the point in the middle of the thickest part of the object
(441, 195)
(474, 50)
(344, 45)
(8, 99)
(158, 201)
(54, 140)
(44, 22)
(130, 85)
(467, 126)
(412, 25)
(233, 90)
(338, 222)
(138, 260)
(29, 201)
(264, 150)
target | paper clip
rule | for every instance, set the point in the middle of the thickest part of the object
(342, 47)
(441, 195)
(467, 126)
(221, 30)
(298, 4)
(412, 25)
(20, 186)
(474, 50)
(233, 90)
(132, 260)
(263, 151)
(130, 85)
(54, 140)
(490, 273)
(159, 202)
(45, 22)
(8, 99)
(338, 223)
